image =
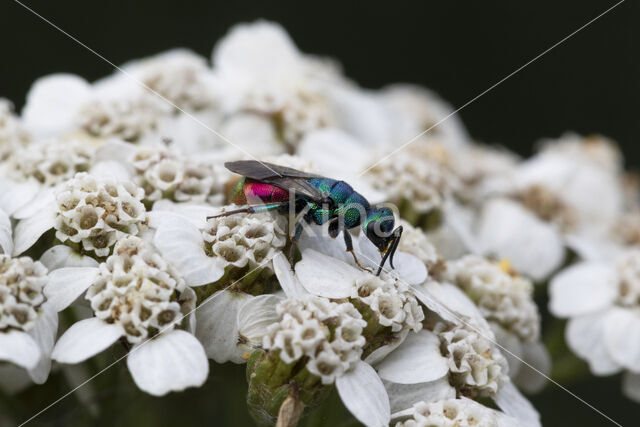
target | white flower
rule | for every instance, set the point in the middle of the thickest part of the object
(390, 300)
(329, 334)
(97, 213)
(601, 300)
(415, 242)
(28, 324)
(202, 252)
(505, 299)
(461, 412)
(136, 295)
(264, 74)
(12, 134)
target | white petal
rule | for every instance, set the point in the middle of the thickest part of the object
(536, 355)
(364, 395)
(256, 315)
(582, 288)
(317, 239)
(403, 396)
(408, 267)
(63, 256)
(41, 200)
(6, 242)
(117, 150)
(110, 169)
(334, 153)
(631, 386)
(172, 361)
(15, 195)
(188, 302)
(217, 325)
(325, 276)
(29, 230)
(381, 352)
(66, 284)
(512, 350)
(622, 337)
(514, 404)
(417, 360)
(585, 336)
(288, 281)
(433, 303)
(44, 333)
(52, 103)
(85, 339)
(507, 230)
(19, 348)
(181, 243)
(196, 214)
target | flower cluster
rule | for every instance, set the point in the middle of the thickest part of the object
(241, 240)
(164, 174)
(503, 296)
(454, 413)
(137, 289)
(327, 333)
(391, 301)
(477, 367)
(22, 281)
(96, 213)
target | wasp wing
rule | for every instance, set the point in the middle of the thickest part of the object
(280, 176)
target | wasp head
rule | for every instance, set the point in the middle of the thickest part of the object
(379, 229)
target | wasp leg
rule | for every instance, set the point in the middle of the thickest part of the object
(251, 209)
(297, 232)
(349, 244)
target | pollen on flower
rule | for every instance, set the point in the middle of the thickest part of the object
(450, 413)
(329, 334)
(548, 206)
(138, 289)
(476, 366)
(96, 213)
(502, 297)
(165, 174)
(50, 162)
(241, 240)
(391, 301)
(21, 283)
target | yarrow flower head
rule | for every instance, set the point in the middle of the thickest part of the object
(327, 333)
(28, 324)
(50, 162)
(503, 296)
(165, 174)
(22, 281)
(477, 367)
(96, 212)
(241, 240)
(11, 133)
(136, 295)
(456, 413)
(137, 289)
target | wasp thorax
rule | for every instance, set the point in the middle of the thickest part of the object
(476, 366)
(96, 213)
(328, 334)
(502, 296)
(138, 289)
(241, 240)
(392, 302)
(21, 283)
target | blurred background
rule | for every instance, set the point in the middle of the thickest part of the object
(588, 84)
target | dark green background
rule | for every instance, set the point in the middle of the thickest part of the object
(588, 84)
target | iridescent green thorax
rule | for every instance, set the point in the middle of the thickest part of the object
(347, 203)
